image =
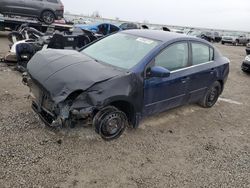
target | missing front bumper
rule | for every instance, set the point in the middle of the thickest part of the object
(44, 115)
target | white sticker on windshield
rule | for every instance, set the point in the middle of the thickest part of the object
(146, 41)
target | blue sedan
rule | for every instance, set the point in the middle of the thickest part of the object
(123, 78)
(100, 28)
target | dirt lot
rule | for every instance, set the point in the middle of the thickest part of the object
(185, 147)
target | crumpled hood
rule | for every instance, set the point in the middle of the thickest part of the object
(61, 72)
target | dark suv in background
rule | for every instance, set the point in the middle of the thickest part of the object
(210, 36)
(45, 10)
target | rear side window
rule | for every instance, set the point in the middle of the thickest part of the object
(113, 29)
(53, 1)
(201, 53)
(173, 57)
(211, 54)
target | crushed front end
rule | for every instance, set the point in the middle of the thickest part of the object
(51, 113)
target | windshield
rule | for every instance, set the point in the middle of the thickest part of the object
(121, 50)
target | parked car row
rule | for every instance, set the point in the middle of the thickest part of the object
(206, 35)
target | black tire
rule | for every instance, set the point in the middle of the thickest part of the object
(211, 95)
(99, 114)
(110, 123)
(222, 43)
(245, 71)
(48, 17)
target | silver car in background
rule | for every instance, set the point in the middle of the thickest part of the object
(45, 10)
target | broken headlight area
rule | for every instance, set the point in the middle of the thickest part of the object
(62, 114)
(67, 113)
(77, 108)
(81, 109)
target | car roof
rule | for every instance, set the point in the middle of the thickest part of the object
(159, 35)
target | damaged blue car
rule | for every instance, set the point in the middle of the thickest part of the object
(99, 28)
(122, 78)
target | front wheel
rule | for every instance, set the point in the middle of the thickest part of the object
(211, 95)
(110, 123)
(48, 17)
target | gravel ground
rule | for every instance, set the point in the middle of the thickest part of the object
(185, 147)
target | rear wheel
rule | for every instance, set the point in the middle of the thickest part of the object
(110, 123)
(211, 95)
(48, 17)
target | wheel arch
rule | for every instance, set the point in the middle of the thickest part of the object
(127, 107)
(47, 9)
(221, 84)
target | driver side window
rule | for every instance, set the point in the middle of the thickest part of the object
(173, 57)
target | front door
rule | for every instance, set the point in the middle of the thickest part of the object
(161, 94)
(15, 6)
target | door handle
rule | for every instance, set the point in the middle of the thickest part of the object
(185, 79)
(212, 71)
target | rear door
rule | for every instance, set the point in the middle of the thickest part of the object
(161, 94)
(34, 7)
(203, 70)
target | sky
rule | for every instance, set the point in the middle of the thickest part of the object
(214, 14)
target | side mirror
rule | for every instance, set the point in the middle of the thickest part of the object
(158, 72)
